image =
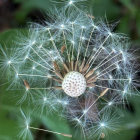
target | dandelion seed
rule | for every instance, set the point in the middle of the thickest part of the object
(83, 27)
(78, 120)
(33, 68)
(9, 62)
(110, 103)
(130, 80)
(71, 2)
(40, 46)
(45, 99)
(72, 42)
(72, 23)
(83, 38)
(25, 57)
(102, 125)
(110, 76)
(33, 42)
(102, 135)
(27, 127)
(85, 111)
(62, 26)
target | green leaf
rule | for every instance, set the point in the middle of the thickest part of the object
(102, 8)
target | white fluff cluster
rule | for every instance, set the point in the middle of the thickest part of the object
(74, 84)
(73, 36)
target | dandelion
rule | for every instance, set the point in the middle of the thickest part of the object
(77, 66)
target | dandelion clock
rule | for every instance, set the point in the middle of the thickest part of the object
(75, 65)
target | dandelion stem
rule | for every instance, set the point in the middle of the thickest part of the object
(39, 64)
(62, 134)
(104, 59)
(66, 45)
(93, 62)
(109, 67)
(101, 95)
(41, 57)
(98, 51)
(89, 42)
(108, 88)
(115, 79)
(55, 45)
(73, 41)
(80, 42)
(107, 61)
(42, 88)
(32, 75)
(48, 54)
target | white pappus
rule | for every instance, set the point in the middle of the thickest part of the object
(75, 65)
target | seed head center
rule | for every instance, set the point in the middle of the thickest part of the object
(74, 84)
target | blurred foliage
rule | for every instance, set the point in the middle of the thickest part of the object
(127, 12)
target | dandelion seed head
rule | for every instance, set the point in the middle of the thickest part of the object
(74, 84)
(75, 63)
